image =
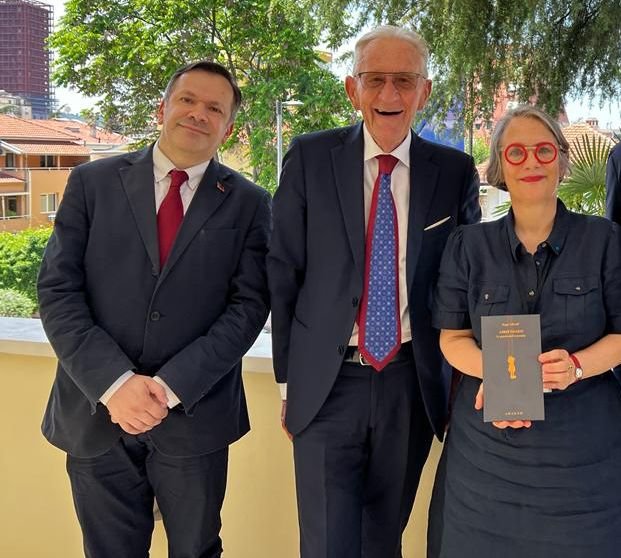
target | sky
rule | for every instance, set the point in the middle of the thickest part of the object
(609, 116)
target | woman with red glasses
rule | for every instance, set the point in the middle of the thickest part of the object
(522, 489)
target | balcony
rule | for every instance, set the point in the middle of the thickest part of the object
(259, 515)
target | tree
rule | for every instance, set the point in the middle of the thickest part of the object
(125, 50)
(480, 151)
(10, 109)
(551, 49)
(20, 259)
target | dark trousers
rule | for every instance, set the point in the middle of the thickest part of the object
(358, 464)
(113, 496)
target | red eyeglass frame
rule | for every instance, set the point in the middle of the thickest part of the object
(534, 148)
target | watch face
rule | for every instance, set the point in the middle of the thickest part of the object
(578, 373)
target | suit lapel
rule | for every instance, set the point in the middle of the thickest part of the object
(348, 165)
(210, 194)
(423, 183)
(139, 185)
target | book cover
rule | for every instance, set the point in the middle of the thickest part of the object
(512, 382)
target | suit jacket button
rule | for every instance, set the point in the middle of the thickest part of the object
(155, 316)
(354, 301)
(341, 349)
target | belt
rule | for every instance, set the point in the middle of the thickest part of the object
(352, 355)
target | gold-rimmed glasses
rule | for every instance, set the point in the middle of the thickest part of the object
(403, 81)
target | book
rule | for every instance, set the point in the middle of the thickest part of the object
(512, 379)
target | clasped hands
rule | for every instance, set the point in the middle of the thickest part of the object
(558, 371)
(138, 405)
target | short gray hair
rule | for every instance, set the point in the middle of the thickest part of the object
(494, 173)
(392, 32)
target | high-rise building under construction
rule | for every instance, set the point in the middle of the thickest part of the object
(25, 26)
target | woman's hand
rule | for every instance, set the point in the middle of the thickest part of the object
(502, 424)
(558, 369)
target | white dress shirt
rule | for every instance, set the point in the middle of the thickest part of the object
(400, 187)
(162, 165)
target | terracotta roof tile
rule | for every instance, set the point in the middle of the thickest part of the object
(14, 128)
(577, 130)
(82, 131)
(51, 148)
(8, 177)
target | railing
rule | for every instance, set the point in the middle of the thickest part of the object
(37, 516)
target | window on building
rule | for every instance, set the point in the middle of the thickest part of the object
(9, 207)
(47, 161)
(49, 203)
(10, 160)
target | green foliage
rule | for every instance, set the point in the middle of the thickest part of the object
(554, 49)
(10, 109)
(14, 304)
(584, 190)
(20, 259)
(480, 150)
(124, 51)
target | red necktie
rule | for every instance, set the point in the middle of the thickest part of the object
(170, 214)
(380, 322)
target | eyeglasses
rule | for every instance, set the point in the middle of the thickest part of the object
(545, 152)
(403, 81)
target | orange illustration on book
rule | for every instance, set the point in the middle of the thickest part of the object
(511, 367)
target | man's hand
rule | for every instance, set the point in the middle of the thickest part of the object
(283, 415)
(478, 405)
(138, 405)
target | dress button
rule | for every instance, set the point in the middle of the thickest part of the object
(578, 289)
(341, 349)
(531, 293)
(354, 301)
(155, 316)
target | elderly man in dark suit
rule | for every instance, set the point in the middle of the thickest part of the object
(613, 185)
(360, 221)
(151, 290)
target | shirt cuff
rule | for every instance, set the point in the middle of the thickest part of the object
(283, 391)
(115, 386)
(173, 400)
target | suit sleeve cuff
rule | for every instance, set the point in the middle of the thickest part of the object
(173, 400)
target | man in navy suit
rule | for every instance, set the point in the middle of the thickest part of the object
(360, 221)
(613, 185)
(151, 290)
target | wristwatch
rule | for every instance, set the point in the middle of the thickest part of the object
(578, 372)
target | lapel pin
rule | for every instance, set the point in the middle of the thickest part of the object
(219, 187)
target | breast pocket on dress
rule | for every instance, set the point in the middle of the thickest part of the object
(578, 304)
(490, 299)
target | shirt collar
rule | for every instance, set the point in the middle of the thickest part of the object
(372, 150)
(556, 239)
(162, 165)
